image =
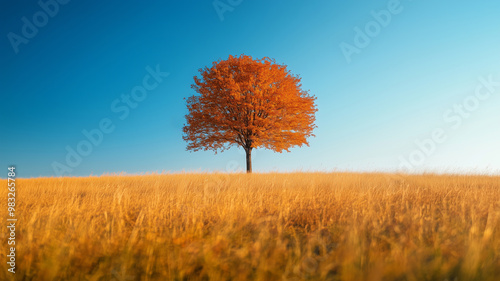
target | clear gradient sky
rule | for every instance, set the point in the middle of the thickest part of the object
(385, 86)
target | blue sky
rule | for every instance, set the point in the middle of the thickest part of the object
(416, 91)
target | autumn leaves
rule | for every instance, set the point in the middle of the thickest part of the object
(252, 103)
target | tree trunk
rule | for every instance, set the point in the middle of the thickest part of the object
(249, 160)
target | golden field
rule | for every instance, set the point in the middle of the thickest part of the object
(297, 226)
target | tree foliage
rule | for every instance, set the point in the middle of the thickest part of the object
(253, 103)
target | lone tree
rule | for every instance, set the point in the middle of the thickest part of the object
(248, 102)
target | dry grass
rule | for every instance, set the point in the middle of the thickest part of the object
(300, 226)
